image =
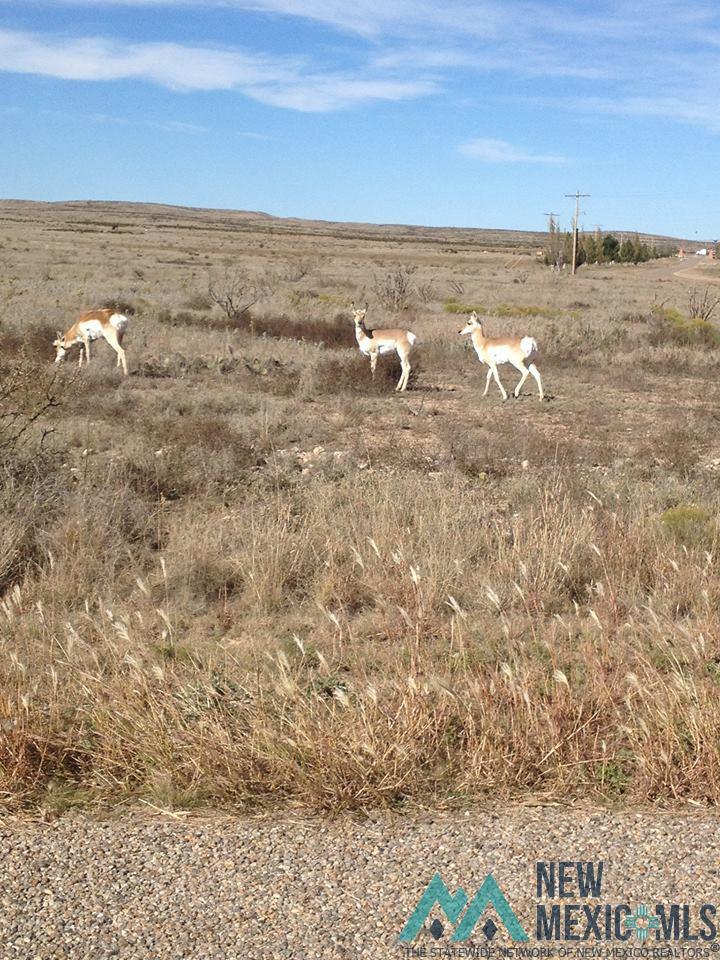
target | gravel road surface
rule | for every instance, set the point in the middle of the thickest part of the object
(192, 888)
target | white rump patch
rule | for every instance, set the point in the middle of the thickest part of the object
(119, 321)
(411, 337)
(529, 346)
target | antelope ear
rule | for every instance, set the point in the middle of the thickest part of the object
(352, 305)
(366, 306)
(58, 334)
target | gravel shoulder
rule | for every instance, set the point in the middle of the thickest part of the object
(198, 888)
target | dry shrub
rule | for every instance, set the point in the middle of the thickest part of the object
(198, 301)
(483, 453)
(395, 290)
(34, 342)
(702, 306)
(29, 502)
(179, 471)
(30, 392)
(197, 430)
(350, 373)
(577, 341)
(337, 333)
(268, 375)
(675, 451)
(238, 289)
(203, 321)
(119, 304)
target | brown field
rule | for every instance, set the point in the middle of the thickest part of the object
(248, 575)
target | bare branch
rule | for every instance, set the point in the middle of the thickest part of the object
(238, 290)
(702, 306)
(395, 289)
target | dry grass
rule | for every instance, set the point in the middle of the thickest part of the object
(249, 574)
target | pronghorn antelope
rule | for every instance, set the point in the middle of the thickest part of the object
(92, 326)
(519, 351)
(375, 342)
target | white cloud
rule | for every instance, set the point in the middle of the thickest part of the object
(169, 126)
(364, 17)
(283, 82)
(651, 58)
(178, 126)
(700, 109)
(251, 135)
(500, 151)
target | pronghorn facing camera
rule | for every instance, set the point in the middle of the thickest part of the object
(92, 326)
(376, 342)
(519, 351)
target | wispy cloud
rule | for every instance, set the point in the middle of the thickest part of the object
(500, 151)
(634, 57)
(178, 126)
(108, 119)
(251, 135)
(281, 81)
(700, 108)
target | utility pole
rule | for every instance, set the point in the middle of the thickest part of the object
(577, 196)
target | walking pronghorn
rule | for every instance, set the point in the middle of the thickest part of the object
(92, 326)
(519, 351)
(374, 342)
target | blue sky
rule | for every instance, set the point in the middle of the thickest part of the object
(457, 113)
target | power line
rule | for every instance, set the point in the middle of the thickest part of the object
(577, 196)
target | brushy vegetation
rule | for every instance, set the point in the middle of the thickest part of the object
(670, 325)
(249, 574)
(451, 305)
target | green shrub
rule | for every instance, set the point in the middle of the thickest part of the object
(690, 525)
(451, 305)
(669, 325)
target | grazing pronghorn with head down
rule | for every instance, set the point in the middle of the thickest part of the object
(92, 326)
(375, 342)
(519, 351)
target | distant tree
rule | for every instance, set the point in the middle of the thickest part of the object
(626, 252)
(610, 247)
(553, 253)
(643, 251)
(590, 246)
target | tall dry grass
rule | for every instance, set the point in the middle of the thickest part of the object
(455, 641)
